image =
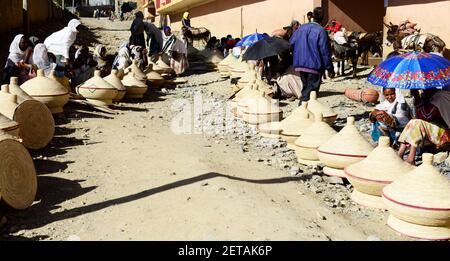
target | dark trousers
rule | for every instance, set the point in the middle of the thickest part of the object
(311, 82)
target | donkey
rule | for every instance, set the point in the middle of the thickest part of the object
(372, 42)
(192, 34)
(402, 41)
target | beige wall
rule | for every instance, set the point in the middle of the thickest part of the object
(223, 17)
(355, 17)
(433, 16)
(11, 15)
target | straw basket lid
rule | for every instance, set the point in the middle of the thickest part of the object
(424, 188)
(249, 75)
(297, 122)
(348, 142)
(228, 60)
(251, 94)
(318, 133)
(381, 166)
(14, 88)
(241, 67)
(261, 105)
(263, 86)
(114, 80)
(152, 75)
(8, 102)
(270, 128)
(139, 74)
(131, 81)
(161, 64)
(121, 73)
(235, 63)
(7, 125)
(97, 82)
(317, 107)
(18, 182)
(37, 125)
(43, 86)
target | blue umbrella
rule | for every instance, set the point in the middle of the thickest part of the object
(414, 70)
(250, 39)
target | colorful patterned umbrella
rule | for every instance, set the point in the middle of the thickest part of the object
(414, 70)
(250, 39)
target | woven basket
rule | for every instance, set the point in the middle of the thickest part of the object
(316, 107)
(420, 197)
(18, 182)
(135, 88)
(311, 139)
(379, 169)
(418, 231)
(50, 92)
(37, 126)
(260, 110)
(115, 81)
(98, 91)
(138, 73)
(346, 148)
(9, 126)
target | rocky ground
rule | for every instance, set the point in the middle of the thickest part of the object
(137, 176)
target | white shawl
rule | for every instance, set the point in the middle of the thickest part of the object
(40, 58)
(15, 54)
(59, 43)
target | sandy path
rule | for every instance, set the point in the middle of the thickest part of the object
(129, 177)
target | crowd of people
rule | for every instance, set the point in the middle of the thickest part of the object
(294, 74)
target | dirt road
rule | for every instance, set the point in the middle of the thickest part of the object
(129, 177)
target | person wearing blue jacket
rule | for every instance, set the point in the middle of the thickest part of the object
(312, 54)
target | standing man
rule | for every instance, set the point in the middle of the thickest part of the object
(309, 16)
(312, 54)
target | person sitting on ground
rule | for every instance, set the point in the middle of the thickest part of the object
(390, 116)
(123, 58)
(102, 61)
(59, 43)
(18, 62)
(432, 123)
(176, 50)
(83, 67)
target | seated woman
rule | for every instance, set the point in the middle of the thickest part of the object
(390, 116)
(432, 123)
(18, 62)
(176, 50)
(83, 67)
(123, 58)
(102, 61)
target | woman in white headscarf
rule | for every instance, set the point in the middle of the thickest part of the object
(41, 60)
(176, 50)
(390, 116)
(17, 63)
(59, 43)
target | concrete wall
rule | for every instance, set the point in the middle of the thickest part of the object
(11, 15)
(357, 17)
(244, 17)
(431, 16)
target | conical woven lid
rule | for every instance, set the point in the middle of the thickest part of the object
(317, 107)
(245, 91)
(43, 86)
(263, 86)
(235, 63)
(297, 122)
(7, 124)
(261, 105)
(152, 75)
(14, 88)
(97, 82)
(114, 80)
(249, 95)
(348, 142)
(162, 64)
(318, 133)
(8, 102)
(138, 73)
(425, 187)
(131, 81)
(249, 75)
(242, 67)
(228, 60)
(382, 165)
